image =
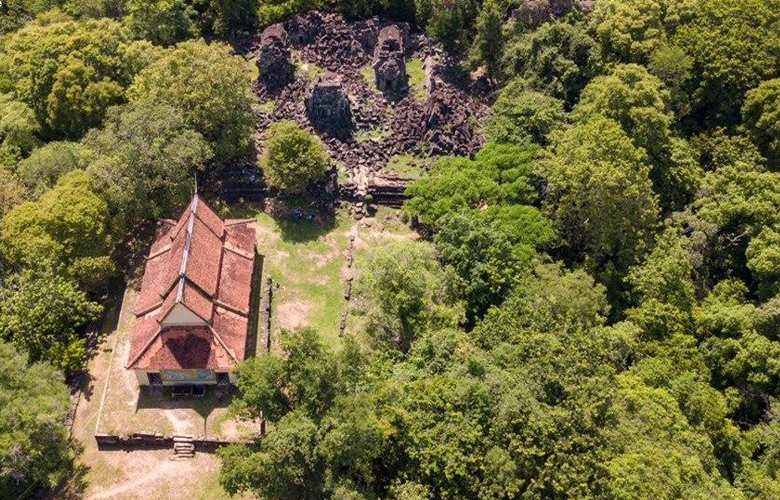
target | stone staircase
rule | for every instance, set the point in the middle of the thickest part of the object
(183, 448)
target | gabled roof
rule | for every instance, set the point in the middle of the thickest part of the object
(204, 264)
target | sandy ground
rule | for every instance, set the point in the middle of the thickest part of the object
(142, 474)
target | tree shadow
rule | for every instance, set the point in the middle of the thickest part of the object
(161, 398)
(254, 307)
(303, 218)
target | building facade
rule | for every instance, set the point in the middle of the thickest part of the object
(193, 311)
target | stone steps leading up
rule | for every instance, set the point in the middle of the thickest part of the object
(183, 448)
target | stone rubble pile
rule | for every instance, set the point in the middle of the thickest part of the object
(341, 106)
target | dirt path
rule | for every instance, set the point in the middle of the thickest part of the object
(161, 471)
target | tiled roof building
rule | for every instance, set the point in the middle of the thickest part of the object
(193, 310)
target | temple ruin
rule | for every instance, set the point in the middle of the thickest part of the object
(389, 66)
(326, 101)
(273, 57)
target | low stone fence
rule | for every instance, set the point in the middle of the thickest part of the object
(156, 441)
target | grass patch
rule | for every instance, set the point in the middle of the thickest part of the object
(407, 165)
(342, 177)
(306, 259)
(373, 134)
(266, 107)
(367, 72)
(416, 74)
(254, 71)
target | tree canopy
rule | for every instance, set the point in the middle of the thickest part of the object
(293, 158)
(34, 446)
(209, 87)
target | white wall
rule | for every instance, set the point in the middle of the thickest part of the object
(141, 377)
(181, 315)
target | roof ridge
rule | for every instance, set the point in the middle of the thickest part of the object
(223, 344)
(145, 347)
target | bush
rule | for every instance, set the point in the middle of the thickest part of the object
(293, 157)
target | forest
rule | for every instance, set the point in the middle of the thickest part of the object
(592, 307)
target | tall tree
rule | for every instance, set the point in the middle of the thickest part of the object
(488, 45)
(66, 227)
(601, 198)
(34, 448)
(638, 101)
(558, 59)
(760, 114)
(41, 315)
(293, 158)
(163, 22)
(403, 291)
(144, 162)
(209, 87)
(70, 72)
(734, 47)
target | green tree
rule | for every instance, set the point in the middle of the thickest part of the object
(144, 162)
(488, 45)
(631, 30)
(734, 47)
(233, 18)
(639, 103)
(403, 291)
(740, 200)
(284, 467)
(34, 448)
(19, 130)
(17, 14)
(601, 199)
(760, 116)
(96, 9)
(548, 299)
(523, 115)
(41, 171)
(500, 174)
(12, 191)
(657, 452)
(664, 293)
(487, 260)
(636, 100)
(70, 72)
(293, 158)
(209, 86)
(303, 379)
(675, 69)
(42, 313)
(558, 59)
(163, 22)
(67, 227)
(763, 260)
(274, 11)
(446, 20)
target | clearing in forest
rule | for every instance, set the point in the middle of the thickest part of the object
(307, 259)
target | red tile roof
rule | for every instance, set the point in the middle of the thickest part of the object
(204, 264)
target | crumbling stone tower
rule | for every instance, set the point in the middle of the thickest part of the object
(326, 101)
(389, 65)
(273, 58)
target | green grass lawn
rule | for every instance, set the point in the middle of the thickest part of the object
(367, 72)
(407, 165)
(374, 134)
(416, 73)
(306, 260)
